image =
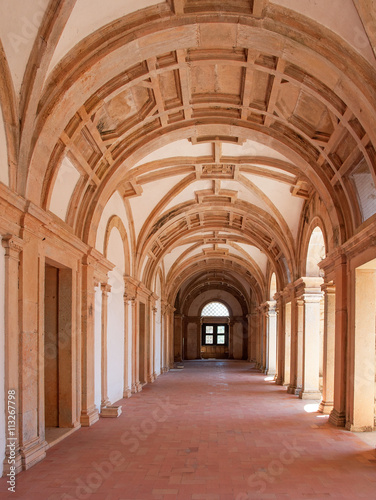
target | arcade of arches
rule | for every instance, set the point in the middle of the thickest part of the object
(160, 155)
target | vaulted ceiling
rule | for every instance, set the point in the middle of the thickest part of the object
(216, 123)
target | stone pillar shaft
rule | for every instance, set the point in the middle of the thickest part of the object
(106, 289)
(271, 332)
(311, 346)
(338, 414)
(13, 247)
(89, 413)
(326, 404)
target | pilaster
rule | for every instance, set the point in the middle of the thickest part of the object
(271, 333)
(311, 338)
(127, 389)
(326, 405)
(89, 412)
(13, 248)
(107, 409)
(31, 355)
(296, 359)
(280, 308)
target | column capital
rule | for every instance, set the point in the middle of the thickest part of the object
(106, 288)
(12, 244)
(308, 287)
(328, 288)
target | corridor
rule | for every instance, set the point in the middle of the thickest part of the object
(215, 430)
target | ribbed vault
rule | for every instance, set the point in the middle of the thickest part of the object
(216, 123)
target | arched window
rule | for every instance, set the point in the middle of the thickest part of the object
(215, 309)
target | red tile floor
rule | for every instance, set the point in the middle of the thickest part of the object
(212, 431)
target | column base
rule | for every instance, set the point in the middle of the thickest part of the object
(294, 389)
(136, 387)
(17, 463)
(279, 381)
(151, 378)
(336, 418)
(270, 373)
(33, 453)
(326, 407)
(310, 395)
(127, 393)
(111, 411)
(165, 369)
(355, 428)
(89, 417)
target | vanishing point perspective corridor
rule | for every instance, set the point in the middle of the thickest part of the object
(215, 430)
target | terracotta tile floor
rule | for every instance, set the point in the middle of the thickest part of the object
(212, 431)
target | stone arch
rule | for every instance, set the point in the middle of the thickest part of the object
(116, 222)
(8, 108)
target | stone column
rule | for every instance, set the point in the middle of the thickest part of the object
(13, 247)
(264, 341)
(338, 414)
(89, 413)
(106, 289)
(107, 409)
(259, 338)
(154, 327)
(136, 386)
(271, 334)
(170, 337)
(296, 366)
(150, 340)
(326, 404)
(178, 337)
(127, 389)
(164, 339)
(281, 339)
(287, 341)
(31, 348)
(311, 339)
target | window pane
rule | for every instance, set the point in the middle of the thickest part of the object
(215, 309)
(209, 339)
(209, 329)
(220, 329)
(221, 339)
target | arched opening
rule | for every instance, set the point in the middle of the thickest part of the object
(273, 286)
(215, 309)
(316, 253)
(215, 326)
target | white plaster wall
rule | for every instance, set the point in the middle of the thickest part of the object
(115, 319)
(97, 347)
(66, 181)
(4, 171)
(2, 346)
(339, 16)
(89, 15)
(114, 206)
(153, 193)
(19, 24)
